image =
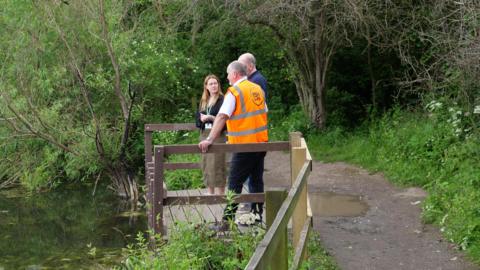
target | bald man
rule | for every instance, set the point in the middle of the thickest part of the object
(253, 74)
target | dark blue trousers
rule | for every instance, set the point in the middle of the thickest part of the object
(244, 166)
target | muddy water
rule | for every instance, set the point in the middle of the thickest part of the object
(69, 229)
(329, 204)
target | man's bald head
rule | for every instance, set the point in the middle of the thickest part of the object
(249, 61)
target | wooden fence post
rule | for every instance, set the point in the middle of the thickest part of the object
(298, 158)
(147, 140)
(149, 174)
(273, 201)
(157, 194)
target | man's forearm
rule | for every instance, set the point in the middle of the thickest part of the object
(217, 127)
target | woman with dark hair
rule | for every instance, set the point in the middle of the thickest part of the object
(213, 165)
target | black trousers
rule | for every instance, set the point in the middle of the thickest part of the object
(244, 166)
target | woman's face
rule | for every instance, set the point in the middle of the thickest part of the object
(212, 86)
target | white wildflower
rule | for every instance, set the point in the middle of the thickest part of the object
(433, 105)
(477, 109)
(247, 219)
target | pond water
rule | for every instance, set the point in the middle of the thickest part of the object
(70, 229)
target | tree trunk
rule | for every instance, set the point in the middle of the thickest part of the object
(123, 182)
(311, 92)
(311, 57)
(312, 64)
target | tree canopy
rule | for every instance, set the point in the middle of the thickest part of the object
(79, 79)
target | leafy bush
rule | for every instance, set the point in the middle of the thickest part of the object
(281, 125)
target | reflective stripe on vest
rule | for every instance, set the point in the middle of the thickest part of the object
(247, 132)
(244, 115)
(242, 99)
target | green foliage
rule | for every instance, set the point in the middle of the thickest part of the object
(343, 108)
(280, 125)
(61, 119)
(318, 257)
(184, 179)
(180, 179)
(193, 247)
(56, 61)
(60, 97)
(438, 151)
(357, 87)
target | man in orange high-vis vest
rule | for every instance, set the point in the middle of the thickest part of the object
(255, 76)
(245, 113)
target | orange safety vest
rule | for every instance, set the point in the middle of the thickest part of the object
(248, 122)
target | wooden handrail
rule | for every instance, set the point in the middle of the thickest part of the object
(295, 207)
(223, 148)
(150, 128)
(261, 257)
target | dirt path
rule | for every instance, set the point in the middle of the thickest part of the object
(389, 235)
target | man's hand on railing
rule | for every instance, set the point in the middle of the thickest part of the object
(203, 145)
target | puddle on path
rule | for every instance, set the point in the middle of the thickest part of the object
(328, 204)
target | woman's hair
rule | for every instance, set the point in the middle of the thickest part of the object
(206, 94)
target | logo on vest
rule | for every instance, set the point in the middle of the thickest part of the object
(257, 98)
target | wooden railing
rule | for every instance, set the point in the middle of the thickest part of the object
(156, 189)
(157, 196)
(272, 252)
(280, 207)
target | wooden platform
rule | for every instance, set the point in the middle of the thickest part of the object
(204, 213)
(192, 213)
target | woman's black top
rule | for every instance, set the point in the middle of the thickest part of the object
(213, 111)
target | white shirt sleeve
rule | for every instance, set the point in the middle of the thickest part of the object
(228, 105)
